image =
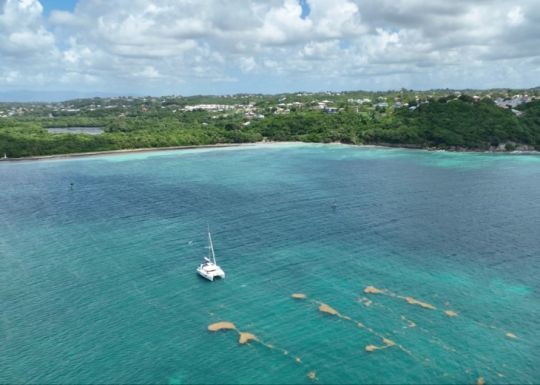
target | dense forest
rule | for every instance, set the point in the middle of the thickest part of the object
(455, 123)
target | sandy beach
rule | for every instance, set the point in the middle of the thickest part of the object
(124, 151)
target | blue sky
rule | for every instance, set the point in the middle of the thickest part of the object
(63, 5)
(156, 47)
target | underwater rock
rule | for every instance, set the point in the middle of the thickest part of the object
(511, 335)
(451, 313)
(298, 296)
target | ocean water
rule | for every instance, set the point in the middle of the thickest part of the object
(98, 282)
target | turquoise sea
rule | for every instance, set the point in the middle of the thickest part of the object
(98, 282)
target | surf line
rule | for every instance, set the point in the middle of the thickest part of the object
(246, 337)
(327, 309)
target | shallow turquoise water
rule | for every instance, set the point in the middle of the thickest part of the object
(98, 283)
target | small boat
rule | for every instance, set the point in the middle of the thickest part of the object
(209, 268)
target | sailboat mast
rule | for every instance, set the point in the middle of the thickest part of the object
(211, 247)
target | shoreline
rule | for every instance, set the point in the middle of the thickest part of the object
(253, 144)
(124, 151)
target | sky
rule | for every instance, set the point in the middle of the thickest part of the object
(63, 48)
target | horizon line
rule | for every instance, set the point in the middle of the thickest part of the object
(4, 98)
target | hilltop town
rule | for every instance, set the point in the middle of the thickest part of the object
(256, 106)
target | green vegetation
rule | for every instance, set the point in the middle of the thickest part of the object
(405, 118)
(19, 139)
(459, 124)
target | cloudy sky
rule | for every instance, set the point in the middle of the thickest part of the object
(213, 46)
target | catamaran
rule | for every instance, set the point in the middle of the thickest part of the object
(209, 268)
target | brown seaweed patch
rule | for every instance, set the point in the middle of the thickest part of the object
(365, 301)
(272, 347)
(451, 313)
(327, 309)
(480, 381)
(511, 335)
(223, 325)
(410, 324)
(324, 308)
(371, 348)
(387, 343)
(245, 337)
(413, 301)
(299, 296)
(372, 290)
(312, 375)
(440, 343)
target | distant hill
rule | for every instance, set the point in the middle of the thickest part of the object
(48, 96)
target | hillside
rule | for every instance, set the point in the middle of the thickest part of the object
(449, 122)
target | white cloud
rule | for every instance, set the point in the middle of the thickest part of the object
(247, 64)
(150, 72)
(184, 46)
(324, 50)
(515, 16)
(336, 18)
(22, 32)
(9, 77)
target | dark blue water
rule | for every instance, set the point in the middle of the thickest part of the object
(98, 283)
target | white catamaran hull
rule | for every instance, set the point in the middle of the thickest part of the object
(209, 268)
(210, 272)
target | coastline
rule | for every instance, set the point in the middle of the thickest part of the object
(252, 144)
(123, 151)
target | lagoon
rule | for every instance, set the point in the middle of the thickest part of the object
(76, 130)
(98, 281)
